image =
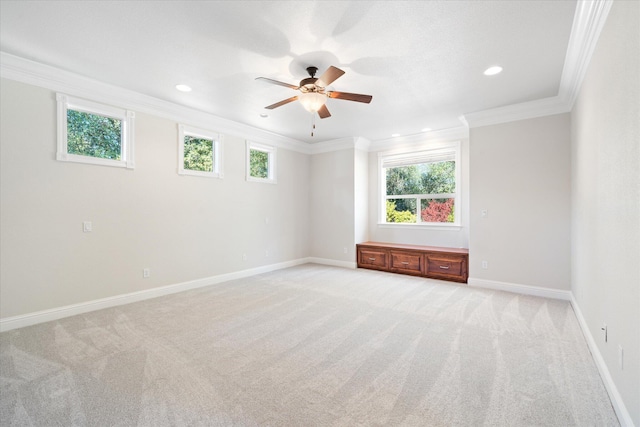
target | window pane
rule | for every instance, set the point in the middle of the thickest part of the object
(424, 178)
(401, 210)
(258, 164)
(94, 135)
(437, 210)
(198, 154)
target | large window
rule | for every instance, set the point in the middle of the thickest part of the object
(199, 152)
(89, 132)
(261, 162)
(420, 187)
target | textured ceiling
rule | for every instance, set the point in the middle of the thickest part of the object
(422, 61)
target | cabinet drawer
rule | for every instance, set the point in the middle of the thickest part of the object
(406, 262)
(372, 258)
(447, 266)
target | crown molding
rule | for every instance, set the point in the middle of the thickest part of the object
(30, 72)
(588, 21)
(442, 135)
(356, 142)
(333, 145)
(514, 112)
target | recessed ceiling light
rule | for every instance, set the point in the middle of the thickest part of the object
(264, 115)
(492, 71)
(426, 130)
(183, 88)
(393, 135)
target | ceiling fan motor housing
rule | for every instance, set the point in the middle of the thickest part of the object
(309, 85)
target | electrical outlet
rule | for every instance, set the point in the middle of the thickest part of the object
(485, 264)
(484, 213)
(266, 253)
(87, 227)
(345, 250)
(146, 273)
(244, 257)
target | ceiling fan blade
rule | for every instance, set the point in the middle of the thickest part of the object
(276, 82)
(329, 76)
(350, 96)
(323, 112)
(281, 103)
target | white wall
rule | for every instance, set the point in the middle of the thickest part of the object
(520, 173)
(606, 198)
(444, 237)
(181, 227)
(332, 207)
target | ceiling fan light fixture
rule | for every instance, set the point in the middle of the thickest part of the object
(312, 101)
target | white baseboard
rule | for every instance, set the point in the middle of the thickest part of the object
(332, 262)
(520, 289)
(9, 323)
(616, 400)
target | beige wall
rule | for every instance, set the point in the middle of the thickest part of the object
(332, 208)
(520, 173)
(361, 195)
(606, 198)
(181, 227)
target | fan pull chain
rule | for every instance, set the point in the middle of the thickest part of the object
(313, 123)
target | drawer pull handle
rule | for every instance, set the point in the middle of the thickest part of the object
(444, 267)
(405, 263)
(372, 259)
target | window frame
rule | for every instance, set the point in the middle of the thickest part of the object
(217, 152)
(432, 151)
(271, 159)
(126, 117)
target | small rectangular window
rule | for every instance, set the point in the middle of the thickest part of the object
(94, 133)
(261, 163)
(199, 152)
(420, 187)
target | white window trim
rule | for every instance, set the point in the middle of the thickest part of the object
(435, 149)
(217, 151)
(126, 117)
(271, 151)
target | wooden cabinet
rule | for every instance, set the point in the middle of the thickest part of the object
(428, 261)
(406, 262)
(373, 258)
(447, 267)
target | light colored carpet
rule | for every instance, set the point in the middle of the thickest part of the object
(309, 346)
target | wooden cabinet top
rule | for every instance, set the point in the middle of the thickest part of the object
(414, 247)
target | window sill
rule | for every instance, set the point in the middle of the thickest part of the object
(187, 172)
(263, 180)
(430, 226)
(74, 158)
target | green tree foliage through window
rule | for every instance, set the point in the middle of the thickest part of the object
(421, 179)
(395, 215)
(258, 164)
(94, 135)
(198, 154)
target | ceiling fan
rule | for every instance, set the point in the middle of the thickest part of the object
(313, 93)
